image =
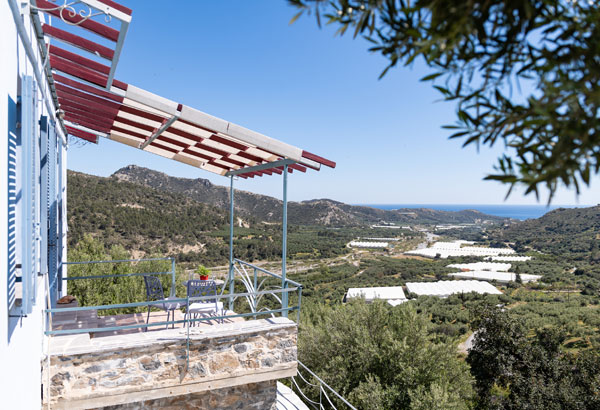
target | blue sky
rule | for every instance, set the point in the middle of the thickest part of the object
(242, 61)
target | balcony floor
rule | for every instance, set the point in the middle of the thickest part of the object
(90, 319)
(72, 344)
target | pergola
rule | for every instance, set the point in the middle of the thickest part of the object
(81, 72)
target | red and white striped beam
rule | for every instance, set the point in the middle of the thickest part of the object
(198, 145)
(139, 118)
(83, 20)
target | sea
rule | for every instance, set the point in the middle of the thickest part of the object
(521, 212)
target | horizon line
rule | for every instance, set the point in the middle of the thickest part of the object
(471, 204)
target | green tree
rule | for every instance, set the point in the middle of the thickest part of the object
(499, 344)
(483, 51)
(518, 278)
(111, 290)
(513, 371)
(381, 357)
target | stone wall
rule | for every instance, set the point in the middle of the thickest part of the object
(254, 396)
(132, 368)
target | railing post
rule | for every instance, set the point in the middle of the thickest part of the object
(187, 325)
(255, 288)
(320, 396)
(255, 297)
(299, 305)
(173, 290)
(231, 284)
(284, 297)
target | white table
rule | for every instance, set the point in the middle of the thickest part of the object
(218, 282)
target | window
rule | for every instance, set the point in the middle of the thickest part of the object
(12, 214)
(50, 203)
(24, 205)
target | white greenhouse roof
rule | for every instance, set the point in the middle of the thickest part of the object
(446, 288)
(386, 293)
(496, 267)
(456, 248)
(358, 244)
(511, 258)
(497, 276)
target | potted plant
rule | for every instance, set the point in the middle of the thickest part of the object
(203, 271)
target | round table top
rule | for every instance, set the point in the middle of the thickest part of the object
(218, 282)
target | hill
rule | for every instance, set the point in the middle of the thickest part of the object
(148, 212)
(137, 217)
(147, 221)
(572, 231)
(312, 212)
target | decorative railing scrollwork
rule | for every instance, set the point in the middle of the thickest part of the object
(252, 286)
(262, 288)
(68, 7)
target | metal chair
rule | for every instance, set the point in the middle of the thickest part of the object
(154, 291)
(199, 288)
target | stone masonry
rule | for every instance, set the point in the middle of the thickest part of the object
(254, 396)
(242, 358)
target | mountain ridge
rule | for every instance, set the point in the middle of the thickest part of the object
(309, 212)
(149, 212)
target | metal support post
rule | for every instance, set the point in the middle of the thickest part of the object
(299, 305)
(231, 284)
(173, 286)
(284, 296)
(255, 290)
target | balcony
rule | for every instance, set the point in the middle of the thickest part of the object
(96, 360)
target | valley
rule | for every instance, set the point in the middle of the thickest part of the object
(119, 218)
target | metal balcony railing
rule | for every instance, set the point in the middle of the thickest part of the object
(263, 291)
(255, 296)
(307, 380)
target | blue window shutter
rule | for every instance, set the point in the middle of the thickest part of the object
(37, 193)
(53, 278)
(12, 220)
(44, 193)
(61, 210)
(29, 190)
(60, 206)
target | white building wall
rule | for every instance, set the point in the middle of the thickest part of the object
(22, 340)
